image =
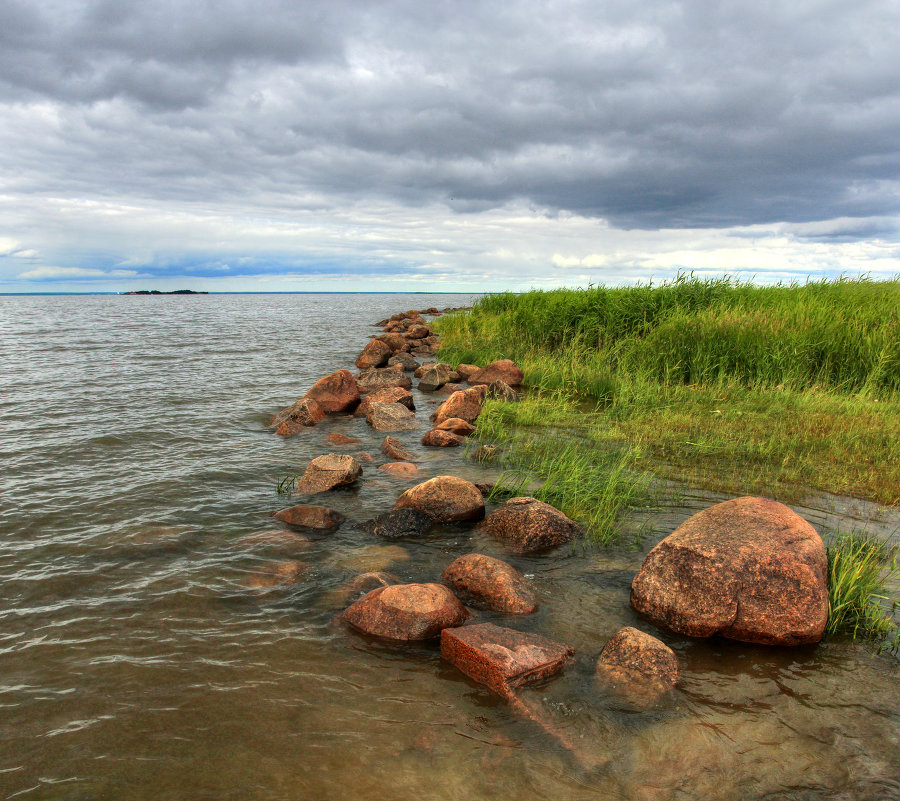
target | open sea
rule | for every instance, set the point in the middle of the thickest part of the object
(136, 663)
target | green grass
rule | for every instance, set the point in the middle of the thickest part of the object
(859, 569)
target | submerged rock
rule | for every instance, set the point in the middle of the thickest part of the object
(277, 574)
(400, 469)
(491, 583)
(402, 523)
(336, 438)
(406, 612)
(528, 525)
(637, 666)
(749, 569)
(307, 516)
(336, 392)
(503, 659)
(278, 539)
(327, 472)
(444, 499)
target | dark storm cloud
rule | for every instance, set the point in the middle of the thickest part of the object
(653, 115)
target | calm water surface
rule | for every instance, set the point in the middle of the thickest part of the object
(134, 663)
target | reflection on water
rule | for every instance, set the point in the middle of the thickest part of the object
(137, 663)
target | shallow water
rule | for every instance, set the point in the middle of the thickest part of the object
(135, 664)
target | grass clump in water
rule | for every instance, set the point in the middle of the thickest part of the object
(859, 569)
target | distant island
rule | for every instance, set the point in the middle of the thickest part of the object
(157, 292)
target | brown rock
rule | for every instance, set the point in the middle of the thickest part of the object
(528, 525)
(327, 472)
(366, 582)
(457, 426)
(439, 438)
(465, 405)
(386, 395)
(394, 449)
(379, 378)
(404, 361)
(503, 659)
(401, 523)
(400, 469)
(395, 341)
(390, 417)
(749, 569)
(277, 574)
(364, 456)
(406, 612)
(454, 377)
(465, 370)
(337, 438)
(420, 371)
(639, 665)
(306, 516)
(503, 370)
(336, 392)
(375, 354)
(393, 327)
(434, 378)
(490, 582)
(417, 331)
(449, 388)
(304, 413)
(444, 499)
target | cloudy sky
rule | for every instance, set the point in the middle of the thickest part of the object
(303, 145)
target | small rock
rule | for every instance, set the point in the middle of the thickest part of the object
(638, 666)
(420, 371)
(406, 612)
(400, 469)
(307, 516)
(394, 449)
(434, 378)
(418, 331)
(390, 417)
(403, 360)
(500, 658)
(277, 574)
(528, 525)
(386, 395)
(381, 377)
(395, 341)
(449, 388)
(375, 354)
(490, 582)
(465, 370)
(336, 438)
(336, 392)
(402, 523)
(457, 426)
(465, 405)
(485, 488)
(369, 558)
(444, 499)
(327, 472)
(439, 438)
(364, 456)
(504, 370)
(302, 414)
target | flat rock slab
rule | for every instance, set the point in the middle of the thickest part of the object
(503, 659)
(406, 612)
(327, 472)
(390, 417)
(749, 569)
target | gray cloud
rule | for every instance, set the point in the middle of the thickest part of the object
(653, 115)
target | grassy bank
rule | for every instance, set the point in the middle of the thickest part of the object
(722, 384)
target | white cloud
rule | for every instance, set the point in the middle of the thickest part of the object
(46, 272)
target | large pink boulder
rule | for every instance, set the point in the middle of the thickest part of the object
(406, 612)
(445, 499)
(749, 569)
(336, 392)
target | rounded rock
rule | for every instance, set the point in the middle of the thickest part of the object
(528, 525)
(406, 612)
(491, 583)
(445, 499)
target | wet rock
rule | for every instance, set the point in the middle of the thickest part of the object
(386, 395)
(465, 405)
(400, 469)
(504, 370)
(393, 326)
(418, 331)
(638, 666)
(749, 569)
(327, 472)
(450, 388)
(375, 354)
(420, 371)
(336, 392)
(444, 499)
(466, 370)
(302, 414)
(366, 582)
(434, 378)
(406, 612)
(306, 516)
(364, 456)
(491, 583)
(394, 449)
(500, 390)
(528, 525)
(336, 438)
(277, 574)
(457, 425)
(403, 360)
(503, 659)
(423, 351)
(381, 377)
(439, 438)
(369, 558)
(395, 341)
(390, 417)
(402, 523)
(277, 538)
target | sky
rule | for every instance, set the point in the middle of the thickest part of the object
(298, 145)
